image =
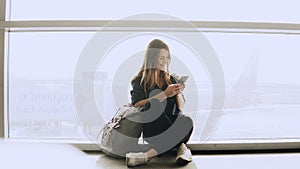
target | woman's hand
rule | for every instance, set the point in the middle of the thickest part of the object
(174, 89)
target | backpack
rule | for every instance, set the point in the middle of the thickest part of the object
(120, 135)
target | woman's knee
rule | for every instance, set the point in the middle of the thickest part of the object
(186, 120)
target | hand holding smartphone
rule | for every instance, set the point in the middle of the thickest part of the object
(183, 79)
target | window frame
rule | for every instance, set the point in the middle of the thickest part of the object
(136, 25)
(3, 131)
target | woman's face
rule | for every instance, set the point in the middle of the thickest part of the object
(163, 60)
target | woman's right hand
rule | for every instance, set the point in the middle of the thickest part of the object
(173, 89)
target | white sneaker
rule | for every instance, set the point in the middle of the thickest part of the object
(135, 159)
(184, 154)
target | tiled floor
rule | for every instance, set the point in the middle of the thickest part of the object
(61, 156)
(236, 161)
(167, 162)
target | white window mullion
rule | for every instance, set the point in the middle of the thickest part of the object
(153, 25)
(2, 37)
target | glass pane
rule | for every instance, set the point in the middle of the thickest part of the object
(262, 86)
(261, 83)
(41, 68)
(41, 74)
(213, 10)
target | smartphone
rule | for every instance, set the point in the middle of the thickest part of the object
(183, 79)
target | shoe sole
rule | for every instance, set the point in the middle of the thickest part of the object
(127, 160)
(182, 161)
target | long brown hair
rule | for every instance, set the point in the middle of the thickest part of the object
(148, 71)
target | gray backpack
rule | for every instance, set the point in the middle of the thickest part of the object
(120, 135)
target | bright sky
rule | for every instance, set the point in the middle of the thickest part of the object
(55, 55)
(215, 10)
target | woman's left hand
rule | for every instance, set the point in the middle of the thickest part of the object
(180, 89)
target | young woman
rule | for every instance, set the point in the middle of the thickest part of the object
(164, 125)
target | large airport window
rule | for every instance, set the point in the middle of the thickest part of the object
(261, 86)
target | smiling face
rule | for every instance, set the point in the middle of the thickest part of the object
(163, 60)
(157, 56)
